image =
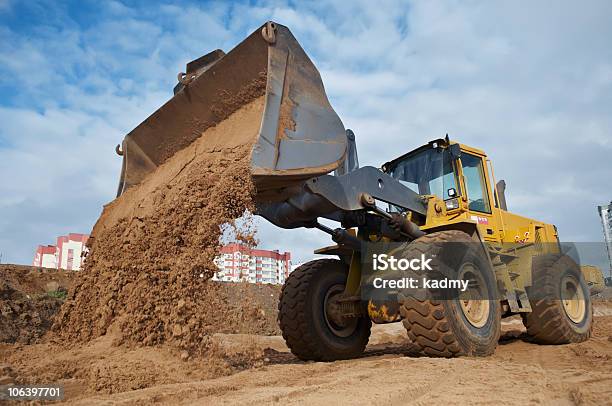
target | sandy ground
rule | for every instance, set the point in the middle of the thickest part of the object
(259, 369)
(518, 373)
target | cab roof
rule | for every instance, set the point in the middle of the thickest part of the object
(439, 142)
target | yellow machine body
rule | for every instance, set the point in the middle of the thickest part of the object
(511, 240)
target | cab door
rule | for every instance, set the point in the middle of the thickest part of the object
(478, 197)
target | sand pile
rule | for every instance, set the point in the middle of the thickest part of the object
(152, 249)
(29, 299)
(28, 305)
(24, 318)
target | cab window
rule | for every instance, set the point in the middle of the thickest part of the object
(473, 173)
(427, 172)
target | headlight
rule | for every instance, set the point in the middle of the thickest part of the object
(452, 204)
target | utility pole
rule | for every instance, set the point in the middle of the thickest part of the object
(605, 212)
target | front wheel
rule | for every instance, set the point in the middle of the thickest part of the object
(310, 326)
(447, 323)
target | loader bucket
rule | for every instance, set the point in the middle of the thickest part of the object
(300, 135)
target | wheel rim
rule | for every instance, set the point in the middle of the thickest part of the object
(474, 308)
(339, 326)
(572, 298)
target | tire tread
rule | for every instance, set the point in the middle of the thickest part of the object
(293, 318)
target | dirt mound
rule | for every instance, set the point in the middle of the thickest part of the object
(99, 366)
(152, 249)
(25, 319)
(32, 280)
(29, 299)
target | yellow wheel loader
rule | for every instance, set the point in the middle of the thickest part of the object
(439, 202)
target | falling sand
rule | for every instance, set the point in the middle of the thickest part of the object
(153, 248)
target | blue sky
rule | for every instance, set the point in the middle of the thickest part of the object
(531, 84)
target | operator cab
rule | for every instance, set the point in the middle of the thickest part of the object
(437, 168)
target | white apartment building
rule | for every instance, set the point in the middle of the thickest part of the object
(66, 254)
(239, 263)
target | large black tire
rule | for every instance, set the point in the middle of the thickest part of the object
(302, 318)
(549, 322)
(436, 323)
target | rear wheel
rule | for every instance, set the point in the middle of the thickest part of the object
(308, 314)
(562, 311)
(450, 323)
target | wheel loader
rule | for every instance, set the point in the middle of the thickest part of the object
(439, 201)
